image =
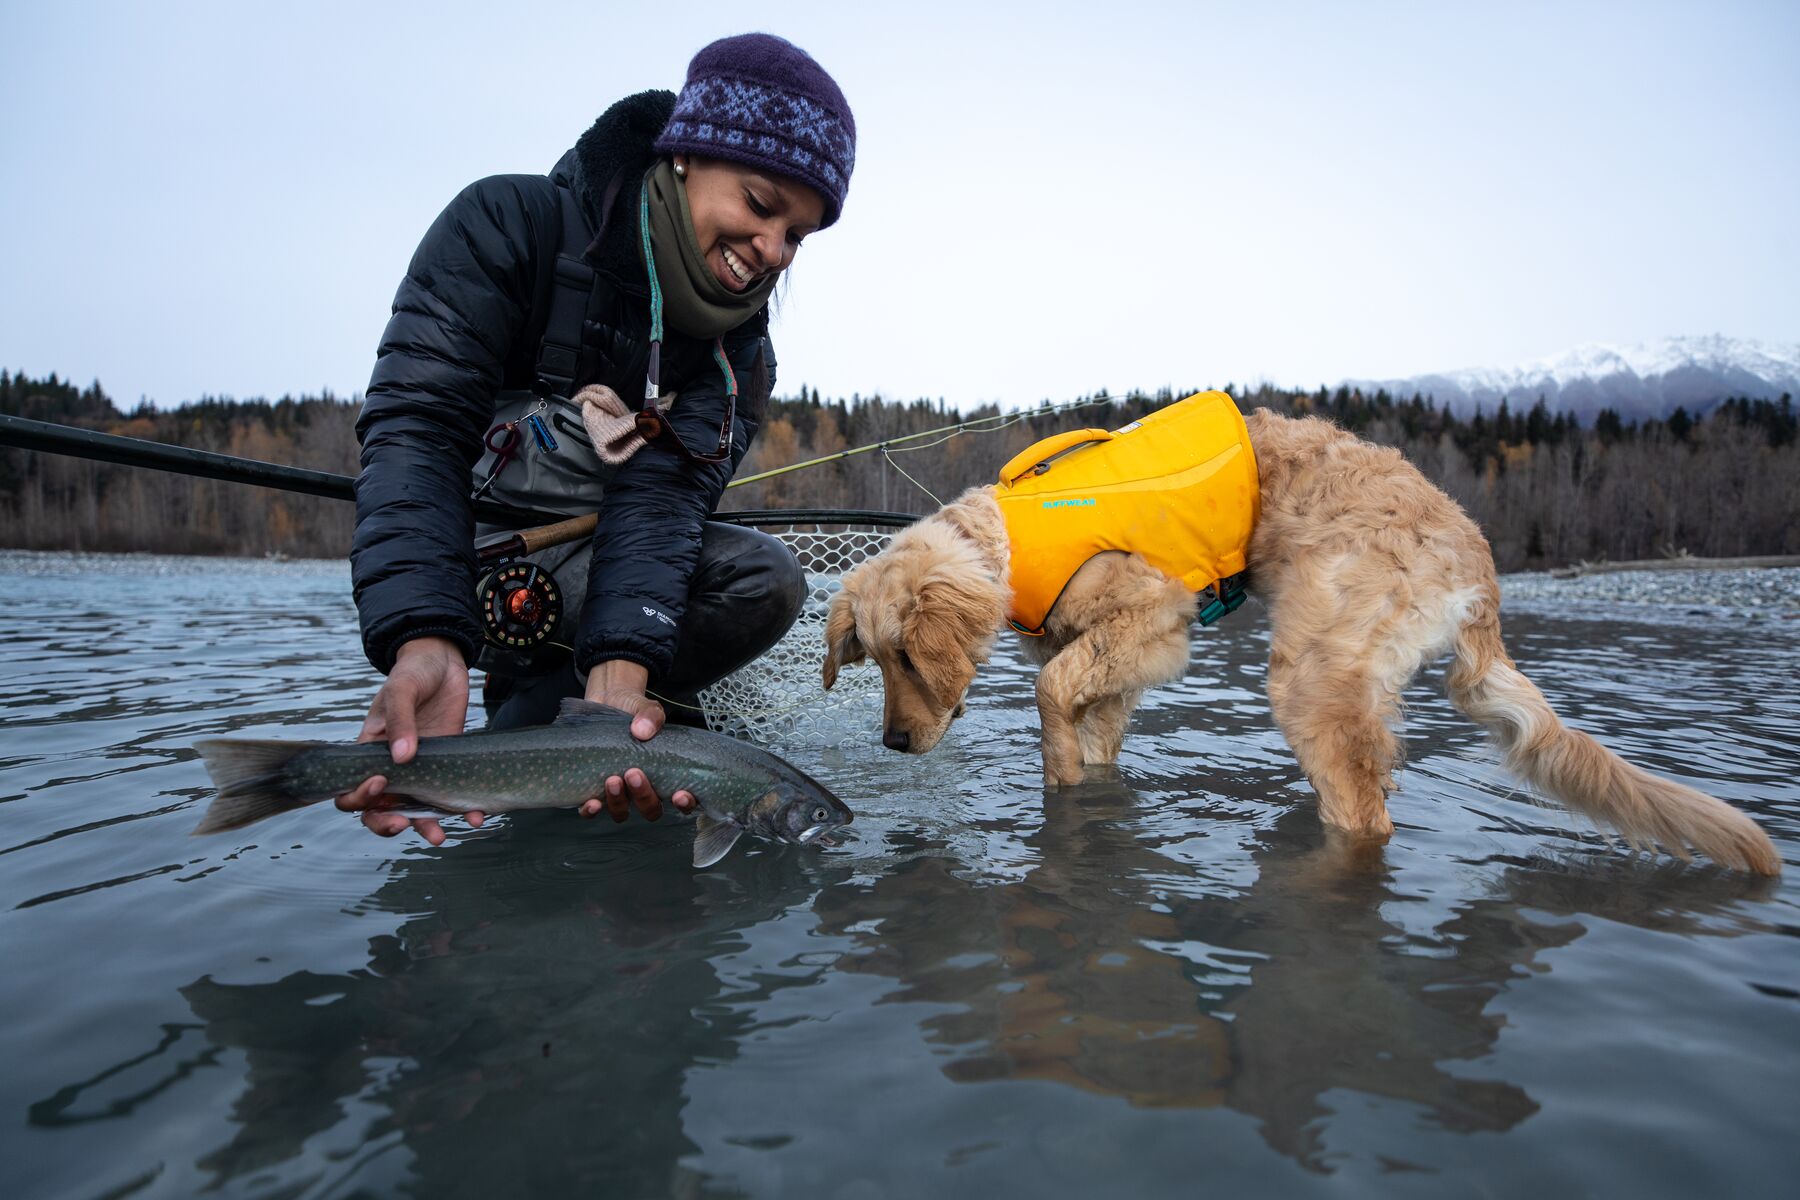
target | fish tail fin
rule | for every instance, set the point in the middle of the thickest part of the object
(251, 777)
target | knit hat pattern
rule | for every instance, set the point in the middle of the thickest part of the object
(760, 100)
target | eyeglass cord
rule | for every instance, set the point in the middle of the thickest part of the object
(653, 374)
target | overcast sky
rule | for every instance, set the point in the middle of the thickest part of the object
(219, 199)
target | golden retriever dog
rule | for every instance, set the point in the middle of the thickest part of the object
(1369, 572)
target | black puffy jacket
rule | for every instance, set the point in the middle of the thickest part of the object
(466, 325)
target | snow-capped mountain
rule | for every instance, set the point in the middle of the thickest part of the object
(1648, 380)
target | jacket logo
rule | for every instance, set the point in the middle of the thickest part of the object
(1085, 503)
(663, 617)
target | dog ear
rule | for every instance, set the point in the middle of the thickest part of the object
(950, 625)
(842, 647)
(941, 660)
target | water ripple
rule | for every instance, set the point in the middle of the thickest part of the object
(1172, 962)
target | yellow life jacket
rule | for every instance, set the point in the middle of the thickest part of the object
(1178, 487)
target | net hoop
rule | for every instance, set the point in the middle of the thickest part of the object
(779, 699)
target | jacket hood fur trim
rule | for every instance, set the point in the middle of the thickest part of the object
(620, 140)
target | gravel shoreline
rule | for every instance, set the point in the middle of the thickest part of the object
(1763, 591)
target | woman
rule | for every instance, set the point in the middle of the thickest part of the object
(674, 217)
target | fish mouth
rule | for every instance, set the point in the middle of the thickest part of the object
(816, 834)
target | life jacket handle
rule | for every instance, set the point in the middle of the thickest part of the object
(1036, 457)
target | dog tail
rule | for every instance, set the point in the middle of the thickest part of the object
(1584, 775)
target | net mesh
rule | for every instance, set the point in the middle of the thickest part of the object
(778, 699)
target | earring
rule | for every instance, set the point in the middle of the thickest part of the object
(680, 168)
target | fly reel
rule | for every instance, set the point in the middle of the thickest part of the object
(521, 607)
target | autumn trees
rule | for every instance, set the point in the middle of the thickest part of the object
(1545, 490)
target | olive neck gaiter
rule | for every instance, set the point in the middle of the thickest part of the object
(694, 301)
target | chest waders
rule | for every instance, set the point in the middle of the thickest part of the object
(539, 456)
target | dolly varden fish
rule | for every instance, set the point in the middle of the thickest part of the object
(740, 788)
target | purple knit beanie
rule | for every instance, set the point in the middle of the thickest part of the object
(762, 101)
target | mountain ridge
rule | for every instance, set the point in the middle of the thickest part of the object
(1646, 380)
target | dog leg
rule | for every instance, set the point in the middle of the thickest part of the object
(1101, 729)
(1336, 722)
(1090, 677)
(1061, 744)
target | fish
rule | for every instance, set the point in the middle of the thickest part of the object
(740, 788)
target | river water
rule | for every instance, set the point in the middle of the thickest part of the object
(1166, 981)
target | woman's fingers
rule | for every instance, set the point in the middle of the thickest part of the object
(425, 695)
(400, 701)
(637, 786)
(387, 824)
(621, 793)
(369, 799)
(648, 721)
(363, 795)
(617, 807)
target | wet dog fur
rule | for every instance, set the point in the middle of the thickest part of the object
(1369, 571)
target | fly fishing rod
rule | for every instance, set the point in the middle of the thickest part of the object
(547, 529)
(519, 602)
(50, 438)
(544, 529)
(518, 598)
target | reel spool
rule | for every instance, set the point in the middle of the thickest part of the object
(520, 606)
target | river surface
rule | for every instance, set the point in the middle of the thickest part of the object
(1168, 981)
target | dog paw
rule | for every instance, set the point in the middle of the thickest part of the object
(1064, 777)
(1376, 828)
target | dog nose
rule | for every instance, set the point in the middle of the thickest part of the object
(896, 739)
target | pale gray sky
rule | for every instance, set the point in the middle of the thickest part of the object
(1049, 198)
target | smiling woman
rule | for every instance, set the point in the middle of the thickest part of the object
(640, 267)
(748, 224)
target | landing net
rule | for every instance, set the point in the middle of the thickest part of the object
(778, 699)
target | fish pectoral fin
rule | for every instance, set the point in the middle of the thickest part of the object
(576, 711)
(713, 839)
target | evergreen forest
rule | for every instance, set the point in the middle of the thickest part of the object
(1546, 491)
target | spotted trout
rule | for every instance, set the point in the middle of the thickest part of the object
(740, 788)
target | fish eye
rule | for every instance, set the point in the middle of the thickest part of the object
(820, 815)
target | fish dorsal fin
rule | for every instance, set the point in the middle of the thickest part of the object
(713, 839)
(576, 711)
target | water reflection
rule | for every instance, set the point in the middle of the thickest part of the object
(1098, 970)
(556, 1020)
(70, 1105)
(995, 991)
(535, 1001)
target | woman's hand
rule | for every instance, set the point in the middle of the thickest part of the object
(426, 695)
(621, 685)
